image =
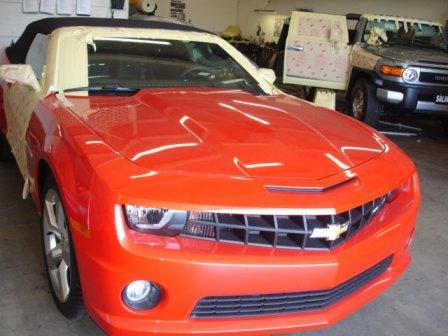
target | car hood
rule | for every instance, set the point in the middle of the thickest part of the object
(409, 54)
(231, 133)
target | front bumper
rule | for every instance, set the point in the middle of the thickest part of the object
(190, 269)
(138, 325)
(413, 98)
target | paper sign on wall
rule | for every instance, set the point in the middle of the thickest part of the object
(64, 7)
(48, 6)
(177, 10)
(83, 7)
(30, 6)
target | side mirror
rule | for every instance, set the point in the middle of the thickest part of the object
(267, 74)
(21, 74)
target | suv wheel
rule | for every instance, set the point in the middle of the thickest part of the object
(364, 104)
(60, 262)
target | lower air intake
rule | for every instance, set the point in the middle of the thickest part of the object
(272, 304)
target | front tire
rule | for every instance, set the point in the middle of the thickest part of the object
(364, 104)
(59, 254)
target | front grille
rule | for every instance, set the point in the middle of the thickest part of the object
(434, 78)
(277, 231)
(269, 304)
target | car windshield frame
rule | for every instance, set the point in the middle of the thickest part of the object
(409, 34)
(142, 63)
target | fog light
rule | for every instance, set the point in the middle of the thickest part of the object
(141, 295)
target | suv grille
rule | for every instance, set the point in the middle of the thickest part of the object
(293, 232)
(434, 78)
(253, 305)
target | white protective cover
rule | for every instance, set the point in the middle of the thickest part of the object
(325, 59)
(19, 102)
(67, 53)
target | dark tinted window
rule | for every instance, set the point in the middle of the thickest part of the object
(151, 63)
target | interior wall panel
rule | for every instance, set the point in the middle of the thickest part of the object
(13, 21)
(213, 15)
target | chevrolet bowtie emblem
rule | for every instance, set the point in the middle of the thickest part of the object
(332, 233)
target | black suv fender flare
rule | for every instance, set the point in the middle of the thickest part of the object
(358, 73)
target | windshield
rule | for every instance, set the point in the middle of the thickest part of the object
(156, 63)
(409, 34)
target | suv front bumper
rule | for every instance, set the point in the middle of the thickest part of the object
(413, 98)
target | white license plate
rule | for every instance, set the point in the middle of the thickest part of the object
(442, 99)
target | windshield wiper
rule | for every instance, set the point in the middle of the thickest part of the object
(426, 44)
(395, 43)
(103, 88)
(413, 44)
(250, 88)
(238, 84)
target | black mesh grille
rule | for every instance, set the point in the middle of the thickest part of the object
(252, 305)
(436, 78)
(294, 232)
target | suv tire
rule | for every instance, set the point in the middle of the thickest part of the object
(364, 106)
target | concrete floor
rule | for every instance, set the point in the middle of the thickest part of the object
(416, 305)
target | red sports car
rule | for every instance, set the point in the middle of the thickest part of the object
(181, 193)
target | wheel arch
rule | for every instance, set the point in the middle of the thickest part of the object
(55, 164)
(357, 74)
(43, 171)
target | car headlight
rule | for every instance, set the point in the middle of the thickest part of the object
(393, 194)
(155, 220)
(410, 75)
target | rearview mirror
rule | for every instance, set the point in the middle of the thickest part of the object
(267, 74)
(21, 74)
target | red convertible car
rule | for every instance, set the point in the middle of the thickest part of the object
(181, 193)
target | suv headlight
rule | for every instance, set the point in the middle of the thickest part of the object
(410, 75)
(155, 220)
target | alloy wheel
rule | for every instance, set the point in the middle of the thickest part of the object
(358, 105)
(57, 245)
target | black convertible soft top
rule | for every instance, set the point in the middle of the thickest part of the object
(17, 51)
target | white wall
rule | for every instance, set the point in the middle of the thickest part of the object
(216, 15)
(248, 20)
(213, 15)
(13, 21)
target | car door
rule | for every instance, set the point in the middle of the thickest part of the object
(317, 52)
